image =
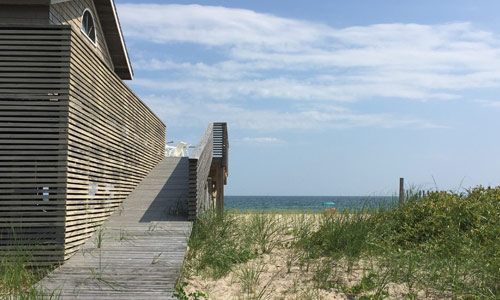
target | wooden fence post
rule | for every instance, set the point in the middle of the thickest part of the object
(401, 190)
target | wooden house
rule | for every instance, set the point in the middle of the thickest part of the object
(74, 139)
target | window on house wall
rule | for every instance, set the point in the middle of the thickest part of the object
(88, 25)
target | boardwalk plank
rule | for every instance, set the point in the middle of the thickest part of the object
(142, 246)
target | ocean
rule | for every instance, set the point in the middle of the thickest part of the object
(306, 203)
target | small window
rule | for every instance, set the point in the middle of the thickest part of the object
(88, 25)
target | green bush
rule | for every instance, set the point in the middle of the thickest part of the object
(456, 234)
(446, 241)
(443, 218)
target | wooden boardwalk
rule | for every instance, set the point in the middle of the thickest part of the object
(138, 252)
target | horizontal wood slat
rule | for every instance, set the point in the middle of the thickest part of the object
(114, 140)
(34, 93)
(74, 140)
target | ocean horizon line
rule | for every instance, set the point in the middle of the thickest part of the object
(315, 203)
(311, 195)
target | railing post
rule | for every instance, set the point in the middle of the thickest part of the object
(220, 190)
(401, 191)
(220, 166)
(200, 162)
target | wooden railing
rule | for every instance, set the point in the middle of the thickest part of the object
(200, 162)
(220, 165)
(74, 141)
(208, 164)
(221, 145)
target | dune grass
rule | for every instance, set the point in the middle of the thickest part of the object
(445, 245)
(18, 277)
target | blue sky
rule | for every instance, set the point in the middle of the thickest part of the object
(327, 97)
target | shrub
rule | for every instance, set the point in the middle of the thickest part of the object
(442, 217)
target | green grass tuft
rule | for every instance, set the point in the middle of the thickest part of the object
(216, 244)
(18, 277)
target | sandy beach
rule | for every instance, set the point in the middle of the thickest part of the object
(287, 271)
(276, 282)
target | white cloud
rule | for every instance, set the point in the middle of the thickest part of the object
(261, 140)
(214, 26)
(290, 89)
(262, 57)
(489, 103)
(193, 112)
(409, 61)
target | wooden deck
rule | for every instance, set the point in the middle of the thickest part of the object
(138, 252)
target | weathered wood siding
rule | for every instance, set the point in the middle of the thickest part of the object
(74, 140)
(200, 161)
(70, 13)
(114, 141)
(34, 82)
(24, 14)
